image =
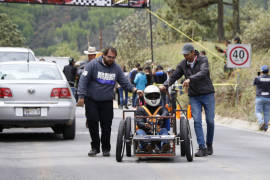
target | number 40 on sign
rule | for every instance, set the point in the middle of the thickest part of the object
(239, 56)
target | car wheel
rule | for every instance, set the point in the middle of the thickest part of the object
(69, 131)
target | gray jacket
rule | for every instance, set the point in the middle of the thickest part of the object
(98, 80)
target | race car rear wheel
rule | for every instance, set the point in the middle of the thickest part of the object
(120, 143)
(185, 135)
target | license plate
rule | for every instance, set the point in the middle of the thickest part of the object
(31, 111)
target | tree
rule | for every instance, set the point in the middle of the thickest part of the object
(191, 5)
(220, 21)
(9, 33)
(236, 18)
(133, 38)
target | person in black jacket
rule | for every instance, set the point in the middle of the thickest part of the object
(70, 72)
(262, 102)
(195, 68)
(152, 97)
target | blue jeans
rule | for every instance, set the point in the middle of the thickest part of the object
(134, 97)
(208, 103)
(141, 132)
(122, 101)
(262, 110)
(163, 99)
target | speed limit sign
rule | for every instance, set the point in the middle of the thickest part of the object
(238, 55)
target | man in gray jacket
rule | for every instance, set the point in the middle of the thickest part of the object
(96, 92)
(195, 68)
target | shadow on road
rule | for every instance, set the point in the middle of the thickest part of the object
(27, 137)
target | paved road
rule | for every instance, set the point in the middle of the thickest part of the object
(36, 154)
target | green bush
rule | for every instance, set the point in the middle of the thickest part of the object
(257, 32)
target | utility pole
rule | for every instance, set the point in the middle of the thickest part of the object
(151, 34)
(100, 39)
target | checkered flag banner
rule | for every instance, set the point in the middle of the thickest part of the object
(98, 3)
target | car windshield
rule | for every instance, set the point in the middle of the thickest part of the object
(29, 72)
(16, 56)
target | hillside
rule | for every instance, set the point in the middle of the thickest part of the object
(226, 104)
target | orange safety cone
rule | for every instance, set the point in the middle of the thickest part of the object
(178, 113)
(189, 114)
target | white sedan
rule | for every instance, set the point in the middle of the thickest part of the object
(36, 94)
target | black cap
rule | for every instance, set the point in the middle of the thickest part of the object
(187, 48)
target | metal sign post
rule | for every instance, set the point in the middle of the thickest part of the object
(238, 56)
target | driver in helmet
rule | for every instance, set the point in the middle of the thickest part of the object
(152, 97)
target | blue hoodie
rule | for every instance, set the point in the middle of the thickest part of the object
(98, 80)
(140, 81)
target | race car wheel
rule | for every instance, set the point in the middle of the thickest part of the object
(174, 125)
(182, 148)
(120, 143)
(128, 136)
(185, 135)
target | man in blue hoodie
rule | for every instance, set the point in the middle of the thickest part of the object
(96, 92)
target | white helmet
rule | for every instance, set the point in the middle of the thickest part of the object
(152, 95)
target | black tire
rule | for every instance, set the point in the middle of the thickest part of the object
(182, 148)
(174, 126)
(69, 131)
(120, 143)
(186, 135)
(1, 129)
(128, 136)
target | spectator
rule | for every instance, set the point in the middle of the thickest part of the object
(149, 76)
(132, 75)
(159, 78)
(121, 91)
(96, 91)
(237, 40)
(91, 53)
(262, 102)
(226, 69)
(70, 72)
(140, 100)
(195, 68)
(172, 91)
(140, 79)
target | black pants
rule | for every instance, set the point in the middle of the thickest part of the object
(99, 111)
